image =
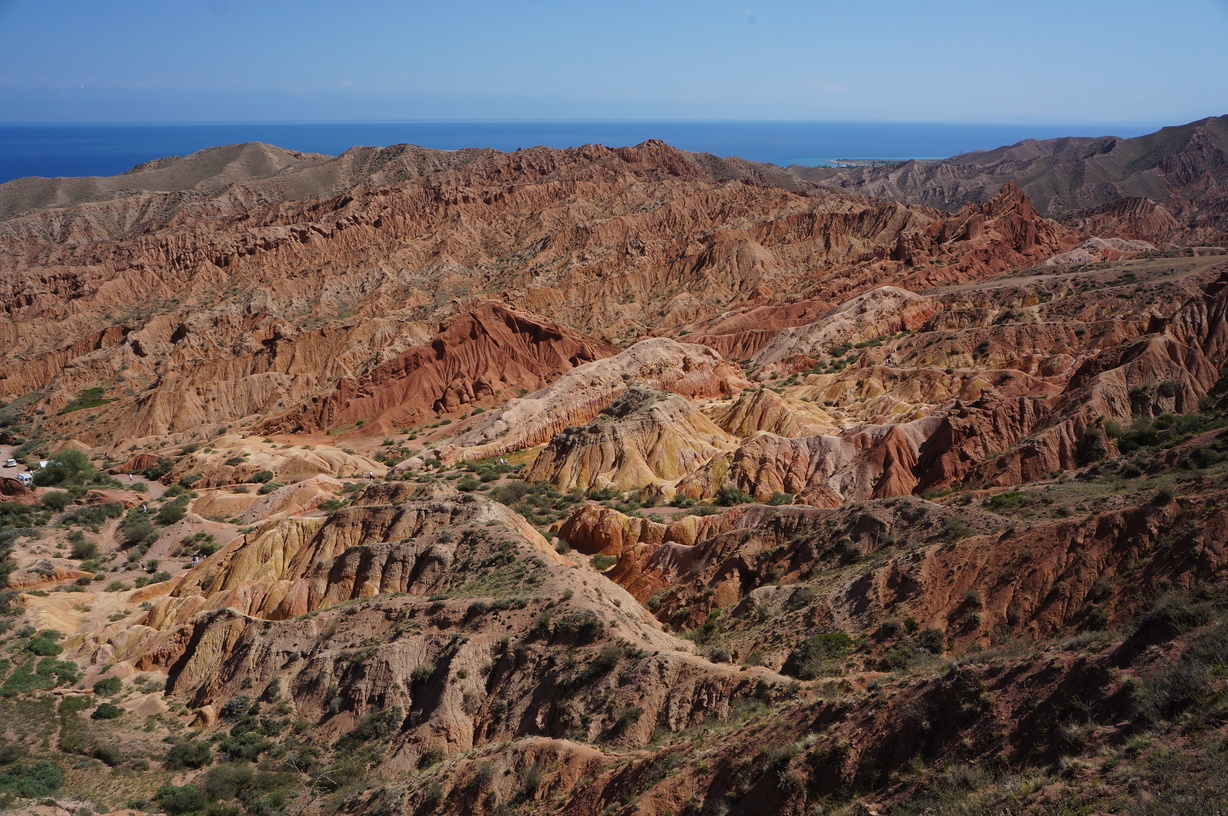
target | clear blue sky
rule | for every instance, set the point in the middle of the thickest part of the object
(1110, 61)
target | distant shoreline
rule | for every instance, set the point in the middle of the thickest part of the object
(57, 150)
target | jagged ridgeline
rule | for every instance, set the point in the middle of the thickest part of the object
(617, 481)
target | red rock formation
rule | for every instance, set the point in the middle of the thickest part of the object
(14, 491)
(483, 357)
(579, 395)
(269, 301)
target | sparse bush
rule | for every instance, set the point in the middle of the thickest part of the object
(176, 800)
(430, 756)
(236, 707)
(108, 687)
(580, 627)
(83, 550)
(818, 655)
(421, 675)
(932, 640)
(44, 643)
(68, 467)
(729, 496)
(33, 781)
(601, 563)
(57, 500)
(1188, 682)
(188, 755)
(269, 487)
(171, 512)
(262, 477)
(623, 721)
(228, 781)
(107, 711)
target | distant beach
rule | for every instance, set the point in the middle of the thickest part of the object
(108, 149)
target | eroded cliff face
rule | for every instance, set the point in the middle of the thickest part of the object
(479, 360)
(239, 306)
(352, 603)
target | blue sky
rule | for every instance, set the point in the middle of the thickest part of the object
(1086, 61)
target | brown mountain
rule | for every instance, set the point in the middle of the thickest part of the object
(1167, 185)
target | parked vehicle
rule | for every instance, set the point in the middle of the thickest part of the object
(10, 463)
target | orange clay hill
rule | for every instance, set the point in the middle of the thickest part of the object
(617, 481)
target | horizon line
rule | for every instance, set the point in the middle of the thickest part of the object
(554, 120)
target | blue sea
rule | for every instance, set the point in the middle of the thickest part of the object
(107, 149)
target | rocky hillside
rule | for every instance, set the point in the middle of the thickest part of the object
(605, 481)
(1171, 185)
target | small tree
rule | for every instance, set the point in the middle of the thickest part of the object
(68, 467)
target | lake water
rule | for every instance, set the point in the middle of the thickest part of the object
(104, 149)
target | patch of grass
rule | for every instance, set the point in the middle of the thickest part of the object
(601, 563)
(88, 398)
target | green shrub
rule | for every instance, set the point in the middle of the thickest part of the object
(510, 493)
(243, 745)
(580, 627)
(57, 500)
(33, 781)
(236, 707)
(49, 673)
(729, 496)
(73, 705)
(69, 467)
(171, 512)
(158, 470)
(188, 755)
(108, 687)
(229, 780)
(269, 487)
(88, 398)
(1188, 682)
(83, 550)
(176, 800)
(601, 563)
(818, 655)
(263, 477)
(137, 528)
(932, 640)
(107, 711)
(44, 643)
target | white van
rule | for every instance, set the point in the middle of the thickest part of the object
(25, 478)
(10, 463)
